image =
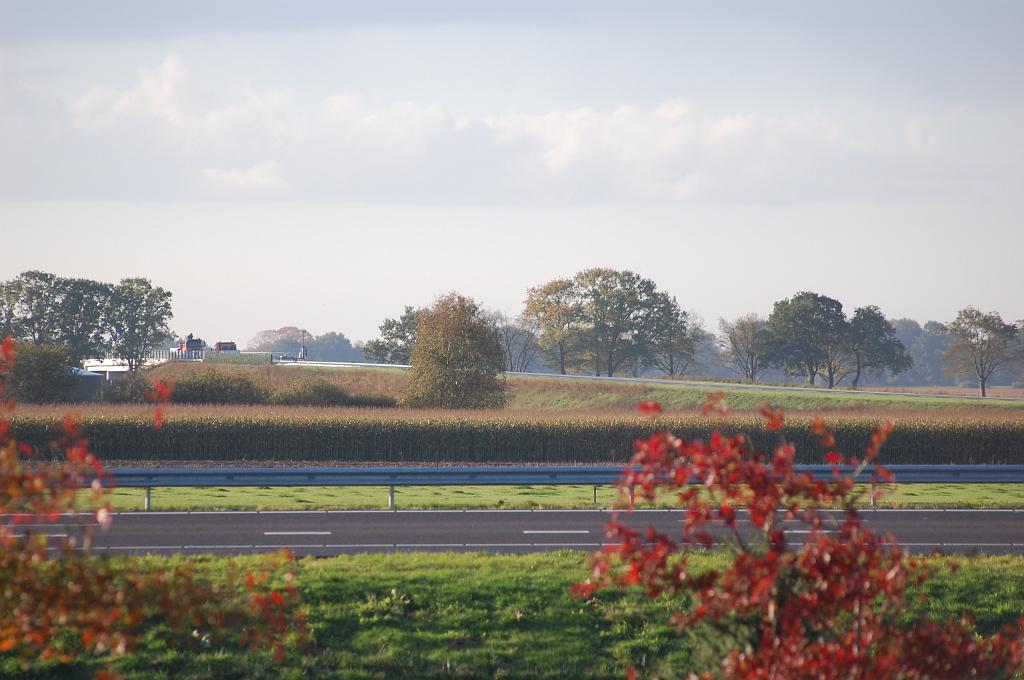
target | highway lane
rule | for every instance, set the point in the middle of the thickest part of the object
(337, 532)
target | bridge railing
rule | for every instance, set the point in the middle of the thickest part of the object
(390, 477)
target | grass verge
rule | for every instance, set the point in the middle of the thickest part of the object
(569, 395)
(504, 497)
(495, 616)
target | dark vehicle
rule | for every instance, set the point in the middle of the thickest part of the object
(225, 347)
(190, 344)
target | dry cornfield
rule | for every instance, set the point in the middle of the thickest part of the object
(353, 436)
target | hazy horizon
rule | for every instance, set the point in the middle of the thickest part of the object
(324, 165)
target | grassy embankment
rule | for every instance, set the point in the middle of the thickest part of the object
(472, 615)
(566, 395)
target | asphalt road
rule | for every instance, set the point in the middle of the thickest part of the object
(347, 531)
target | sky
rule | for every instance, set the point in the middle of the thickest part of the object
(323, 164)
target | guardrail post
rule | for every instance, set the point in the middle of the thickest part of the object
(595, 494)
(391, 497)
(874, 492)
(149, 498)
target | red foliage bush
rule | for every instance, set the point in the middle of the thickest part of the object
(55, 598)
(830, 607)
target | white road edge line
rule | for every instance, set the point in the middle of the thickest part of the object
(296, 533)
(41, 534)
(556, 531)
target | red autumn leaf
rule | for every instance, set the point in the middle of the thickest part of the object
(106, 609)
(727, 513)
(7, 349)
(714, 405)
(773, 416)
(796, 609)
(650, 409)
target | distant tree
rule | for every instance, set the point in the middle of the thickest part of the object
(36, 310)
(333, 347)
(675, 340)
(41, 375)
(926, 347)
(137, 319)
(874, 345)
(806, 336)
(456, 358)
(8, 313)
(907, 331)
(1019, 353)
(44, 308)
(82, 322)
(744, 344)
(518, 340)
(553, 311)
(396, 339)
(284, 340)
(981, 344)
(619, 313)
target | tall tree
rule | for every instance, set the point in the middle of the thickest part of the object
(43, 308)
(806, 336)
(981, 344)
(674, 341)
(618, 311)
(396, 339)
(137, 315)
(36, 306)
(518, 340)
(873, 344)
(552, 309)
(9, 294)
(287, 340)
(456, 358)
(926, 346)
(82, 322)
(333, 346)
(744, 344)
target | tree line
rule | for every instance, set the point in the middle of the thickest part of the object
(614, 322)
(85, 319)
(330, 346)
(601, 321)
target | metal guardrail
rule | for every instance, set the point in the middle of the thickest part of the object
(148, 478)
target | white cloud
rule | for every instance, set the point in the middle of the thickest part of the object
(156, 93)
(262, 179)
(169, 128)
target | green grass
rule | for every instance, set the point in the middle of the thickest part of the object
(567, 395)
(512, 497)
(612, 396)
(482, 616)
